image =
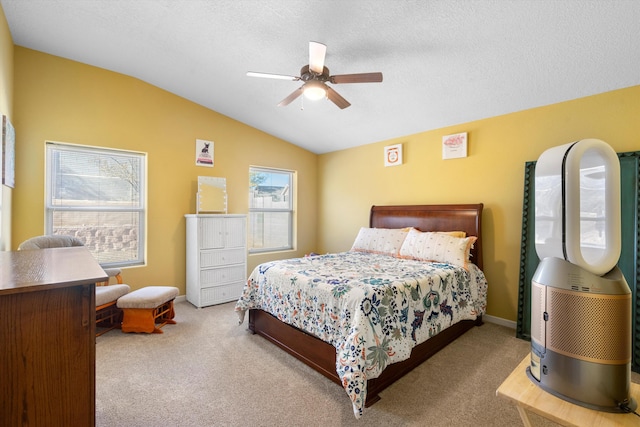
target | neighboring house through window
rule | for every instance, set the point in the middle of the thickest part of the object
(99, 196)
(270, 209)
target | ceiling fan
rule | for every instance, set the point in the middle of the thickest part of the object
(316, 76)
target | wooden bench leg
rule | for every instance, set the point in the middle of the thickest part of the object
(165, 314)
(145, 319)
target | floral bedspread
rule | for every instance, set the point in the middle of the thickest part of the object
(372, 308)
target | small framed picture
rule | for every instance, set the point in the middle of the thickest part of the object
(204, 153)
(454, 146)
(393, 155)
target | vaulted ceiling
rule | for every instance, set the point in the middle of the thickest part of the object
(444, 62)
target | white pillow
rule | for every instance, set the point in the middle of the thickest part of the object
(380, 240)
(438, 247)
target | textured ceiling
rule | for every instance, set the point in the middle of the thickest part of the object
(444, 62)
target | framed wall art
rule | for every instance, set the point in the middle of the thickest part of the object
(454, 146)
(393, 155)
(8, 153)
(204, 153)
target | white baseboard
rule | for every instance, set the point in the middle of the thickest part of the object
(499, 321)
(181, 298)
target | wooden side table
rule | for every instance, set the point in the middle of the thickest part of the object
(529, 397)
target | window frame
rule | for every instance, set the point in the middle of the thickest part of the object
(140, 210)
(290, 210)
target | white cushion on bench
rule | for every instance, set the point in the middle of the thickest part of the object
(148, 297)
(110, 293)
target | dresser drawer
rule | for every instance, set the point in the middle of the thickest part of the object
(220, 294)
(213, 258)
(218, 276)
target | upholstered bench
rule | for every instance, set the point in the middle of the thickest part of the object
(145, 307)
(108, 315)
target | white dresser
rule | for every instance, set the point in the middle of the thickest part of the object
(216, 258)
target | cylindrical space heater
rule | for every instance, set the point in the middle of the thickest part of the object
(580, 301)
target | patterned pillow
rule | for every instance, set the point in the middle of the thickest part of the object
(438, 247)
(380, 240)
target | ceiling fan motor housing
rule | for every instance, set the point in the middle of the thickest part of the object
(307, 75)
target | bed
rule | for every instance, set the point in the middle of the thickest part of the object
(288, 304)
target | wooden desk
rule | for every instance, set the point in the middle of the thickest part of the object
(47, 337)
(529, 397)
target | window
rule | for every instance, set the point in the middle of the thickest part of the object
(270, 209)
(98, 196)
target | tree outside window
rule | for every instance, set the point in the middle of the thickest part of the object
(98, 196)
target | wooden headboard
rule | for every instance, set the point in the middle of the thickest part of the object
(467, 218)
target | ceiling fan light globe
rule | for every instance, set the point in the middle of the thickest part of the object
(315, 92)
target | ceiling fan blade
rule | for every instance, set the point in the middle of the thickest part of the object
(337, 99)
(272, 76)
(317, 52)
(356, 78)
(289, 99)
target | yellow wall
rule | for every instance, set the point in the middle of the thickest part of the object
(61, 100)
(493, 173)
(66, 101)
(6, 108)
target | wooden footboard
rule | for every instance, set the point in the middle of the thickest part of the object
(311, 350)
(322, 356)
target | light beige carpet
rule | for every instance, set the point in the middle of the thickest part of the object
(208, 371)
